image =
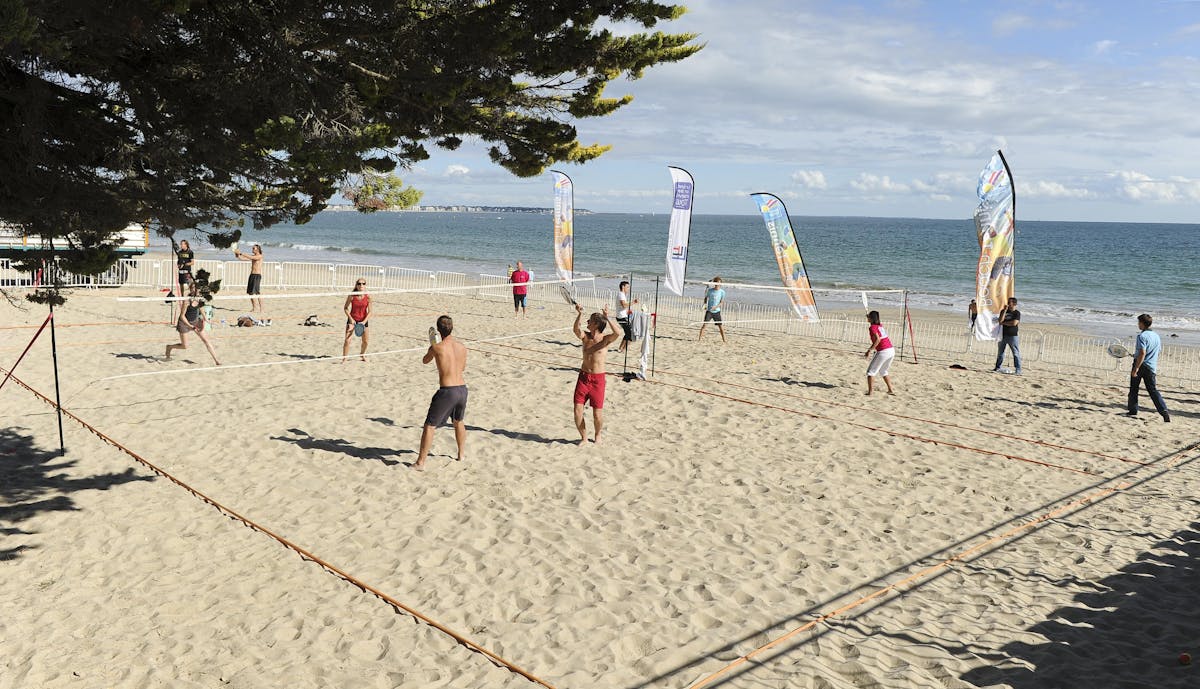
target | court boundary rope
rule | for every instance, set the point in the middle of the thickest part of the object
(997, 434)
(304, 554)
(945, 563)
(897, 434)
(307, 361)
(27, 348)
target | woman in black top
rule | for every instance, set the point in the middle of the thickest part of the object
(185, 257)
(191, 319)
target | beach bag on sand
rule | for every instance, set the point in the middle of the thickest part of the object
(245, 322)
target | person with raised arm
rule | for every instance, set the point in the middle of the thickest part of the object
(254, 282)
(450, 400)
(589, 387)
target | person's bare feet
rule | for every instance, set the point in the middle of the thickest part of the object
(362, 358)
(596, 441)
(582, 442)
(419, 466)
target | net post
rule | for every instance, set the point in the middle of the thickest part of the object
(628, 315)
(903, 315)
(654, 328)
(62, 448)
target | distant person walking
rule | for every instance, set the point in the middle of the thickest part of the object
(358, 318)
(450, 400)
(714, 296)
(1145, 368)
(520, 278)
(191, 319)
(972, 313)
(1010, 320)
(881, 344)
(254, 282)
(589, 387)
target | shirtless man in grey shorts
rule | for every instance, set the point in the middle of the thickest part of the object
(450, 401)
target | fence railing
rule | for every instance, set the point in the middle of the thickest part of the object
(931, 340)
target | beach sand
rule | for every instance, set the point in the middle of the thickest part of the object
(750, 493)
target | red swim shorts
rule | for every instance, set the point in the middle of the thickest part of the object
(590, 388)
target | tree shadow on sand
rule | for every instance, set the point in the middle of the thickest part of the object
(1144, 615)
(342, 446)
(34, 480)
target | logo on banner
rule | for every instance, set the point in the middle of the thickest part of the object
(679, 253)
(683, 196)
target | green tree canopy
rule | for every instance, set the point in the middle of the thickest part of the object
(190, 113)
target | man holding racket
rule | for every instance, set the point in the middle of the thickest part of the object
(450, 400)
(1145, 368)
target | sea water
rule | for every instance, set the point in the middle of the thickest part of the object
(1097, 276)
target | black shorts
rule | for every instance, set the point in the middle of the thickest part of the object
(448, 402)
(350, 323)
(624, 323)
(185, 277)
(254, 284)
(519, 300)
(710, 316)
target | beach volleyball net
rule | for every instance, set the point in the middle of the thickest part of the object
(748, 309)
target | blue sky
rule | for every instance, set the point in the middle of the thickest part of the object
(891, 109)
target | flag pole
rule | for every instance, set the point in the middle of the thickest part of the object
(628, 316)
(912, 337)
(1012, 184)
(654, 328)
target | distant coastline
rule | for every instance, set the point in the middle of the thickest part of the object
(340, 207)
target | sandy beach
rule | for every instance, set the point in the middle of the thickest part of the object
(974, 530)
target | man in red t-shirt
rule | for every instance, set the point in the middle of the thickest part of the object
(519, 279)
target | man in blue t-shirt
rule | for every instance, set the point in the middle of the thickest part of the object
(713, 296)
(1145, 368)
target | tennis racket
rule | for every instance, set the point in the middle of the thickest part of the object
(1117, 350)
(567, 294)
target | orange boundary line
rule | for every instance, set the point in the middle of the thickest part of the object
(875, 411)
(913, 418)
(897, 434)
(340, 573)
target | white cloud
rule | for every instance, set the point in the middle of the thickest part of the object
(1008, 24)
(946, 186)
(456, 171)
(1137, 186)
(812, 179)
(876, 184)
(1041, 189)
(828, 90)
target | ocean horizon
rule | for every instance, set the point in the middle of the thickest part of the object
(1095, 276)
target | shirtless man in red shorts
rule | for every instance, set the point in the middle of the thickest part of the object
(590, 385)
(450, 401)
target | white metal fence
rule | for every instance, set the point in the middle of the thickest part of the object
(937, 341)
